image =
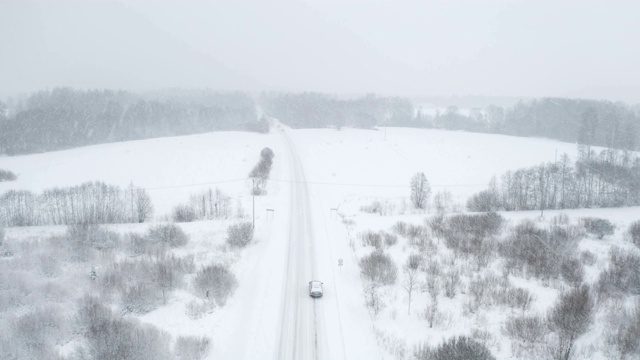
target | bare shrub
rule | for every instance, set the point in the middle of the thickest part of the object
(625, 334)
(437, 224)
(400, 228)
(49, 266)
(571, 316)
(468, 234)
(138, 244)
(518, 298)
(196, 309)
(389, 239)
(35, 333)
(183, 213)
(111, 337)
(451, 283)
(572, 271)
(382, 208)
(597, 226)
(215, 281)
(633, 232)
(85, 237)
(456, 348)
(379, 268)
(191, 347)
(588, 258)
(527, 329)
(432, 314)
(7, 175)
(140, 298)
(622, 277)
(372, 299)
(168, 234)
(371, 238)
(535, 251)
(240, 235)
(2, 233)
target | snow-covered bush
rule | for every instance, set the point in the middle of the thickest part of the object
(108, 336)
(138, 244)
(451, 283)
(191, 347)
(85, 237)
(456, 348)
(633, 232)
(471, 235)
(400, 228)
(378, 267)
(215, 281)
(196, 309)
(140, 298)
(7, 175)
(389, 239)
(527, 329)
(33, 335)
(384, 207)
(437, 224)
(572, 271)
(169, 234)
(571, 316)
(597, 226)
(622, 277)
(240, 235)
(2, 233)
(183, 213)
(625, 334)
(372, 238)
(535, 251)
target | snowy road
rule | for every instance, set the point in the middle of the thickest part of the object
(301, 332)
(272, 315)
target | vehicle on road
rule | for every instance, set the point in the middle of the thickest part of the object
(315, 288)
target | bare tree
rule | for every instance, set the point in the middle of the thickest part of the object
(571, 317)
(420, 190)
(410, 269)
(143, 205)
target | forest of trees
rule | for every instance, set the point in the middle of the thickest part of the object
(64, 118)
(316, 110)
(590, 122)
(608, 179)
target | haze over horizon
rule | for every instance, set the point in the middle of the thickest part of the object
(409, 48)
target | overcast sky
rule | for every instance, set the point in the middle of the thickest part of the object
(502, 48)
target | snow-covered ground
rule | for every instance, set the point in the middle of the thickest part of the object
(307, 223)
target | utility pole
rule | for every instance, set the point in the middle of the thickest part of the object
(253, 193)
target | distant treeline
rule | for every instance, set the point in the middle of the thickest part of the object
(590, 122)
(316, 110)
(64, 118)
(608, 179)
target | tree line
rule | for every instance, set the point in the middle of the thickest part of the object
(590, 122)
(64, 118)
(88, 203)
(317, 110)
(610, 178)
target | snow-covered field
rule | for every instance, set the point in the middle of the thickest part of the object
(319, 182)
